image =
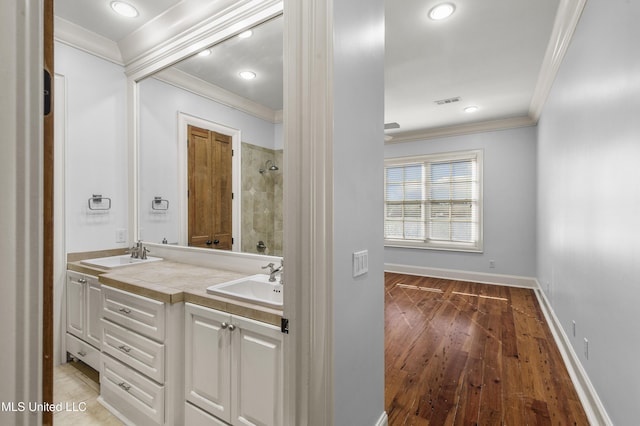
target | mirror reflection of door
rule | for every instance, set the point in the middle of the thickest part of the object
(210, 194)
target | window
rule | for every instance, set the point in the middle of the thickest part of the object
(434, 201)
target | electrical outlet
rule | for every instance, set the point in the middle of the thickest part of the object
(492, 264)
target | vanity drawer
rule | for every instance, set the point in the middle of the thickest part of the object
(138, 313)
(193, 416)
(145, 355)
(136, 397)
(83, 351)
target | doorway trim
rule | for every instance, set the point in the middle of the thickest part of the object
(184, 121)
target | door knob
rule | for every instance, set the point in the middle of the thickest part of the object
(216, 242)
(208, 242)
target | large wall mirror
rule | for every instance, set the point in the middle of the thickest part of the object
(210, 146)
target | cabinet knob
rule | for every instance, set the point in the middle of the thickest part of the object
(224, 325)
(232, 327)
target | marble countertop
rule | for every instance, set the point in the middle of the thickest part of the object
(174, 282)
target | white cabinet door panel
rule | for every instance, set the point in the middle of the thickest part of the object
(256, 383)
(75, 304)
(207, 360)
(94, 308)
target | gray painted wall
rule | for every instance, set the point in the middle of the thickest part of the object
(589, 200)
(358, 305)
(509, 203)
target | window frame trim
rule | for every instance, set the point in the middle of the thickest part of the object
(477, 247)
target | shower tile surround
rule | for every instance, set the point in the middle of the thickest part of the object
(261, 200)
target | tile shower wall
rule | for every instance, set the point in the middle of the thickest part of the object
(261, 200)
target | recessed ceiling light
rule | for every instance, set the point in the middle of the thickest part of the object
(245, 34)
(124, 9)
(471, 108)
(205, 52)
(247, 75)
(442, 11)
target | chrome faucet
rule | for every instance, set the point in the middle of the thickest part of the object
(273, 271)
(139, 251)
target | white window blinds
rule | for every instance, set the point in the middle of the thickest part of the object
(434, 201)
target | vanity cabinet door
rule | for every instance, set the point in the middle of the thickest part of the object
(257, 376)
(75, 298)
(207, 360)
(94, 309)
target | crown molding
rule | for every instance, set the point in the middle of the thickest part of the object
(569, 12)
(80, 38)
(463, 129)
(200, 87)
(177, 34)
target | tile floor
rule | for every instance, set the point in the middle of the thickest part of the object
(76, 387)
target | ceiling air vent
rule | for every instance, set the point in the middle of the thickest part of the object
(448, 101)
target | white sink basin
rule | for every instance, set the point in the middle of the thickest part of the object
(112, 262)
(254, 289)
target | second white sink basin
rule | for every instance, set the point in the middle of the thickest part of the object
(254, 289)
(112, 262)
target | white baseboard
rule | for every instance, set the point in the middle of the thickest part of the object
(454, 274)
(383, 420)
(591, 402)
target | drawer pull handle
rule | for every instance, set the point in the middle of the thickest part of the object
(82, 353)
(124, 348)
(224, 325)
(125, 311)
(124, 386)
(232, 327)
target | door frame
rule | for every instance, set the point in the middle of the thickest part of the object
(184, 121)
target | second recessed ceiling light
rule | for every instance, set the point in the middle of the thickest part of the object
(247, 75)
(442, 11)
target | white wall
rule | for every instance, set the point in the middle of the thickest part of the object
(21, 209)
(96, 148)
(589, 200)
(160, 104)
(509, 203)
(357, 173)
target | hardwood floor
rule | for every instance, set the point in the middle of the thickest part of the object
(460, 353)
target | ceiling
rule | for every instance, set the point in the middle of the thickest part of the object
(489, 54)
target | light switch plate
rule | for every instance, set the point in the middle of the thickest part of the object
(360, 263)
(121, 235)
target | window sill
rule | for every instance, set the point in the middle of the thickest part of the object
(439, 247)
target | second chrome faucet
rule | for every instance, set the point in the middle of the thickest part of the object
(273, 270)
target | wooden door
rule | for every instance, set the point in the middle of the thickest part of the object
(210, 195)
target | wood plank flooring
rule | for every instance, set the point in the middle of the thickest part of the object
(460, 353)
